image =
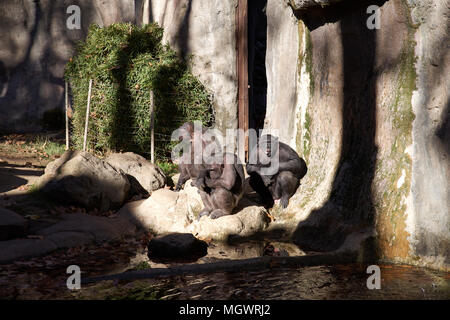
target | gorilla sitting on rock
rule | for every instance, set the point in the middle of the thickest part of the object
(220, 182)
(221, 186)
(275, 170)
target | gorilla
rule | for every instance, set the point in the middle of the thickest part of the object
(275, 170)
(188, 168)
(221, 186)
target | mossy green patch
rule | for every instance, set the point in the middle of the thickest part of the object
(305, 59)
(393, 173)
(126, 63)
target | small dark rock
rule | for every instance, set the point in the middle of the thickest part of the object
(12, 225)
(177, 246)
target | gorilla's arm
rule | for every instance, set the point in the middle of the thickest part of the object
(289, 160)
(184, 176)
(226, 180)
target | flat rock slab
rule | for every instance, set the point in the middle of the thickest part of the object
(177, 246)
(16, 249)
(177, 212)
(70, 239)
(73, 230)
(12, 225)
(98, 228)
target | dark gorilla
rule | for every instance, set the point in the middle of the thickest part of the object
(221, 186)
(187, 166)
(283, 181)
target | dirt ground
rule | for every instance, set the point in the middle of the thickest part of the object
(22, 161)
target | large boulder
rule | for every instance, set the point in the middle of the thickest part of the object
(168, 211)
(138, 169)
(159, 214)
(12, 225)
(82, 179)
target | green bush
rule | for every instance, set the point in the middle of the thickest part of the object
(126, 62)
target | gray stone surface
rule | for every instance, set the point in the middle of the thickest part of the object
(73, 230)
(158, 213)
(97, 228)
(81, 178)
(282, 71)
(12, 225)
(404, 129)
(69, 239)
(428, 214)
(148, 175)
(16, 249)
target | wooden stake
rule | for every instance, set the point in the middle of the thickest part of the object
(242, 69)
(67, 118)
(87, 115)
(152, 127)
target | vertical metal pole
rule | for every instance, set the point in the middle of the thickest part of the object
(87, 115)
(242, 69)
(152, 127)
(67, 118)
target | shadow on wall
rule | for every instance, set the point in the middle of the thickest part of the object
(443, 131)
(350, 206)
(183, 31)
(178, 15)
(34, 68)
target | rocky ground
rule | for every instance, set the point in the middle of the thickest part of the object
(41, 236)
(113, 221)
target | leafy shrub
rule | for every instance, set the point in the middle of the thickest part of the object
(126, 62)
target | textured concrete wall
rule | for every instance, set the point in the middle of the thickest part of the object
(367, 109)
(428, 215)
(281, 69)
(35, 45)
(206, 30)
(372, 122)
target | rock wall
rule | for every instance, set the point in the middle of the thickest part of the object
(367, 109)
(205, 30)
(35, 45)
(371, 120)
(282, 70)
(428, 214)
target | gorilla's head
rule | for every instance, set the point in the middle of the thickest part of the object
(268, 145)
